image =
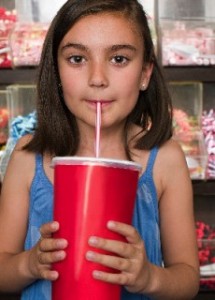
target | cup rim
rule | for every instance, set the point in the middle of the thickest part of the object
(66, 160)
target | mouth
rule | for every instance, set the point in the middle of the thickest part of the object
(104, 103)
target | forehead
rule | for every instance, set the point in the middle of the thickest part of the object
(104, 27)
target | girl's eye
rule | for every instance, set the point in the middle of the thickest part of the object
(119, 59)
(76, 59)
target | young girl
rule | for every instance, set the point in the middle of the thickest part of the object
(101, 50)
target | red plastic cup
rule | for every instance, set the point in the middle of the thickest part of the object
(88, 192)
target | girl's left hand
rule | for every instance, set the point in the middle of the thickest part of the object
(130, 259)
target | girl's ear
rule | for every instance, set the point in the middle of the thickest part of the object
(146, 75)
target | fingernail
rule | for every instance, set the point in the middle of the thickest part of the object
(90, 255)
(62, 243)
(97, 274)
(60, 255)
(55, 225)
(93, 240)
(111, 224)
(54, 275)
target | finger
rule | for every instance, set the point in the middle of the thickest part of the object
(128, 231)
(117, 263)
(48, 229)
(121, 279)
(49, 274)
(119, 248)
(49, 244)
(46, 258)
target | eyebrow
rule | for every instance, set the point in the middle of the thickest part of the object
(112, 48)
(75, 46)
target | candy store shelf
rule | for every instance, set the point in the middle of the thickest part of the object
(19, 75)
(204, 74)
(206, 295)
(204, 188)
(28, 75)
(9, 297)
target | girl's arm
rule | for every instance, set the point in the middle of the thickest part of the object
(14, 204)
(18, 268)
(179, 279)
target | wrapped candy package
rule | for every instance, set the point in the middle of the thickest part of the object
(187, 32)
(187, 114)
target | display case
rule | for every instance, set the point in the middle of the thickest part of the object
(22, 118)
(206, 250)
(28, 35)
(196, 155)
(20, 100)
(187, 98)
(187, 32)
(4, 117)
(205, 231)
(7, 22)
(208, 126)
(26, 41)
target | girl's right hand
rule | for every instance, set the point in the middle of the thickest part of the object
(47, 251)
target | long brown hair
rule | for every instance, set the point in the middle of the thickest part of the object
(57, 132)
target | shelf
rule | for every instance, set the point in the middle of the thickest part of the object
(28, 75)
(207, 295)
(204, 187)
(204, 74)
(22, 75)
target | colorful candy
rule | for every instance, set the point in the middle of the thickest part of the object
(26, 43)
(206, 251)
(7, 22)
(22, 125)
(208, 128)
(188, 133)
(187, 43)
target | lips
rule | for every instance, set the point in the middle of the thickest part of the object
(103, 102)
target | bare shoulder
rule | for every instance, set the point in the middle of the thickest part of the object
(14, 201)
(170, 167)
(21, 162)
(171, 153)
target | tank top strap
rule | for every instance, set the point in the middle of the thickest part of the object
(39, 162)
(40, 175)
(151, 161)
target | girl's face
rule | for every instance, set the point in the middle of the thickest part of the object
(101, 59)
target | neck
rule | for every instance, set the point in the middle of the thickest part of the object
(111, 144)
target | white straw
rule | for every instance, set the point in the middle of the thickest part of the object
(98, 125)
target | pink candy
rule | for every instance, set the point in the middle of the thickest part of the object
(26, 43)
(206, 251)
(7, 21)
(208, 128)
(188, 46)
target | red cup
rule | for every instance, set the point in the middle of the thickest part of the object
(88, 192)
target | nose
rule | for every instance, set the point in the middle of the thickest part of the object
(98, 75)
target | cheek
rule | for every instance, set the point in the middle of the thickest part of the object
(69, 86)
(67, 80)
(131, 87)
(132, 78)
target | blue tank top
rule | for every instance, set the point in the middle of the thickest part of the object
(145, 219)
